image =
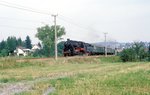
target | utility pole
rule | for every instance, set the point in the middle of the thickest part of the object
(115, 48)
(55, 36)
(105, 34)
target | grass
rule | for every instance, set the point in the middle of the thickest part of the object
(78, 76)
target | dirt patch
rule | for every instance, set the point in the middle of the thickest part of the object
(11, 89)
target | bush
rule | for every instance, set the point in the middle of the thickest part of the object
(38, 53)
(127, 55)
(136, 53)
(4, 52)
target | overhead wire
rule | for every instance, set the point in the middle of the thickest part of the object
(73, 23)
(22, 20)
(70, 20)
(17, 27)
(11, 5)
(62, 17)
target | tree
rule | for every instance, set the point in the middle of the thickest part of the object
(136, 53)
(28, 43)
(3, 45)
(11, 44)
(19, 42)
(3, 48)
(60, 48)
(140, 52)
(46, 35)
(4, 52)
(127, 55)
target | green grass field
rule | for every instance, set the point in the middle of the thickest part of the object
(74, 76)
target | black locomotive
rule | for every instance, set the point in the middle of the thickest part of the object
(72, 48)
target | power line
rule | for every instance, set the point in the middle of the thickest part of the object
(22, 20)
(73, 23)
(8, 26)
(23, 8)
(69, 20)
(13, 4)
(61, 17)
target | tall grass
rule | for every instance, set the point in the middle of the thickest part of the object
(10, 63)
(110, 59)
(78, 76)
(109, 79)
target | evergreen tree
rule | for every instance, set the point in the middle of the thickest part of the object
(3, 45)
(28, 42)
(19, 42)
(11, 44)
(3, 48)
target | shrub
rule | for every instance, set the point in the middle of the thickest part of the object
(136, 53)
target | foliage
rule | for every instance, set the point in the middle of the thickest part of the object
(60, 48)
(7, 47)
(3, 45)
(4, 52)
(136, 53)
(46, 35)
(28, 43)
(127, 55)
(11, 44)
(38, 53)
(19, 42)
(43, 52)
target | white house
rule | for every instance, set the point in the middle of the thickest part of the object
(22, 51)
(35, 47)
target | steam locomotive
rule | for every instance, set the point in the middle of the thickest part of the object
(72, 48)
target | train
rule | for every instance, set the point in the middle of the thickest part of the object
(72, 48)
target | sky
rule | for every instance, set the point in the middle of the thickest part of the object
(84, 20)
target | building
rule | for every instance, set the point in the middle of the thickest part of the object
(35, 47)
(22, 51)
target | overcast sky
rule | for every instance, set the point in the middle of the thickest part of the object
(86, 20)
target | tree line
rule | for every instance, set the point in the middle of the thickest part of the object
(45, 34)
(137, 52)
(8, 46)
